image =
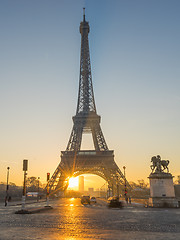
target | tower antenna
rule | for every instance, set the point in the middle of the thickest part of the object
(84, 14)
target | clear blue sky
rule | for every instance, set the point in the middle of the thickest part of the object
(135, 59)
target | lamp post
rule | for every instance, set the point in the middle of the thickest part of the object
(38, 190)
(117, 180)
(7, 187)
(25, 168)
(47, 190)
(125, 190)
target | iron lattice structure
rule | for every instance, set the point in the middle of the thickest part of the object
(74, 161)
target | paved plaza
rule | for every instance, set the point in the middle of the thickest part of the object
(72, 221)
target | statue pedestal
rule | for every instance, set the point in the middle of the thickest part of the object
(162, 190)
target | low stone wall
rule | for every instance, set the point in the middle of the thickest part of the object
(140, 200)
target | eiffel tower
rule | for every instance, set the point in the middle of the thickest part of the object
(75, 161)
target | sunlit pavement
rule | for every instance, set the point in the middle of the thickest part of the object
(72, 221)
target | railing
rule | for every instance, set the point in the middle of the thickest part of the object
(88, 152)
(143, 201)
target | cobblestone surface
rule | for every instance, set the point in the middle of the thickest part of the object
(71, 220)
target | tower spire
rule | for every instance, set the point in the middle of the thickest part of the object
(86, 118)
(84, 15)
(86, 102)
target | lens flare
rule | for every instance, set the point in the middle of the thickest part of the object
(73, 182)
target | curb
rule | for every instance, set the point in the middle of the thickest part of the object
(33, 210)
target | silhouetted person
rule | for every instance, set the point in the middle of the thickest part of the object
(126, 198)
(6, 201)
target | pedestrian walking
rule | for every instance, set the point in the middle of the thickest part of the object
(126, 198)
(6, 201)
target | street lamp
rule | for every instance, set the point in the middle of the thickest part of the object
(125, 190)
(38, 190)
(47, 190)
(117, 180)
(7, 187)
(25, 168)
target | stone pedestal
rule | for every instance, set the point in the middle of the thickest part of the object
(162, 190)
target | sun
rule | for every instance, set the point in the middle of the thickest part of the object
(73, 182)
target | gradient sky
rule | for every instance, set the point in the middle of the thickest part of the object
(135, 61)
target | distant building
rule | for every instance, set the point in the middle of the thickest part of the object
(91, 191)
(81, 183)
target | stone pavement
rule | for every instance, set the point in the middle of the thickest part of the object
(72, 221)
